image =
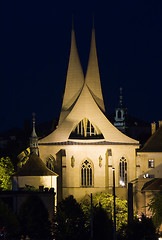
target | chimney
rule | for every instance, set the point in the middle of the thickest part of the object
(160, 123)
(153, 128)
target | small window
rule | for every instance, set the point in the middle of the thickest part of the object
(148, 175)
(151, 163)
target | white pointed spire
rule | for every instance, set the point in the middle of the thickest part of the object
(83, 100)
(92, 76)
(74, 79)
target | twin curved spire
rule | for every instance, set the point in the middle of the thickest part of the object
(82, 115)
(75, 80)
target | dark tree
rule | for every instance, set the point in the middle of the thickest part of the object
(102, 225)
(34, 220)
(8, 222)
(138, 229)
(155, 206)
(69, 223)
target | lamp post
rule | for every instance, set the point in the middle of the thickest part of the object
(114, 203)
(91, 217)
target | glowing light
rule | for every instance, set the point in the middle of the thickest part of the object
(122, 183)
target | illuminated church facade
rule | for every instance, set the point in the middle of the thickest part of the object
(85, 146)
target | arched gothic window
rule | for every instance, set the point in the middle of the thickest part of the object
(86, 130)
(123, 172)
(86, 174)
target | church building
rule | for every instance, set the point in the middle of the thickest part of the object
(85, 146)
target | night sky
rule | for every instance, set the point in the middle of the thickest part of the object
(35, 50)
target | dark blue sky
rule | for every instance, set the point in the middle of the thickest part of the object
(35, 50)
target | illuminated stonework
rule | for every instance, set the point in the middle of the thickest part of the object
(85, 129)
(87, 174)
(85, 145)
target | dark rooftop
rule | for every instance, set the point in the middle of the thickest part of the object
(154, 143)
(153, 185)
(35, 167)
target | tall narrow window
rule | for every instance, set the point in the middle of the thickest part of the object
(86, 174)
(123, 172)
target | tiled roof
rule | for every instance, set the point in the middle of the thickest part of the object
(35, 167)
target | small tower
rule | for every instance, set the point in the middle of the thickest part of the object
(120, 114)
(34, 139)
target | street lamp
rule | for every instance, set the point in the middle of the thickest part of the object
(114, 203)
(91, 217)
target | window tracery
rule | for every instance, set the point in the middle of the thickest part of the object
(87, 174)
(123, 172)
(85, 129)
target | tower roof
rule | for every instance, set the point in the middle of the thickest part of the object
(92, 78)
(34, 139)
(83, 99)
(35, 167)
(74, 79)
(34, 135)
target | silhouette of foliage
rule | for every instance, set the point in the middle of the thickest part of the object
(69, 222)
(106, 201)
(6, 171)
(34, 220)
(155, 206)
(139, 229)
(8, 222)
(102, 225)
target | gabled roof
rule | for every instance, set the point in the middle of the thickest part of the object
(154, 143)
(35, 167)
(86, 106)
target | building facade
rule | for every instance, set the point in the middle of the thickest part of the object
(85, 146)
(149, 170)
